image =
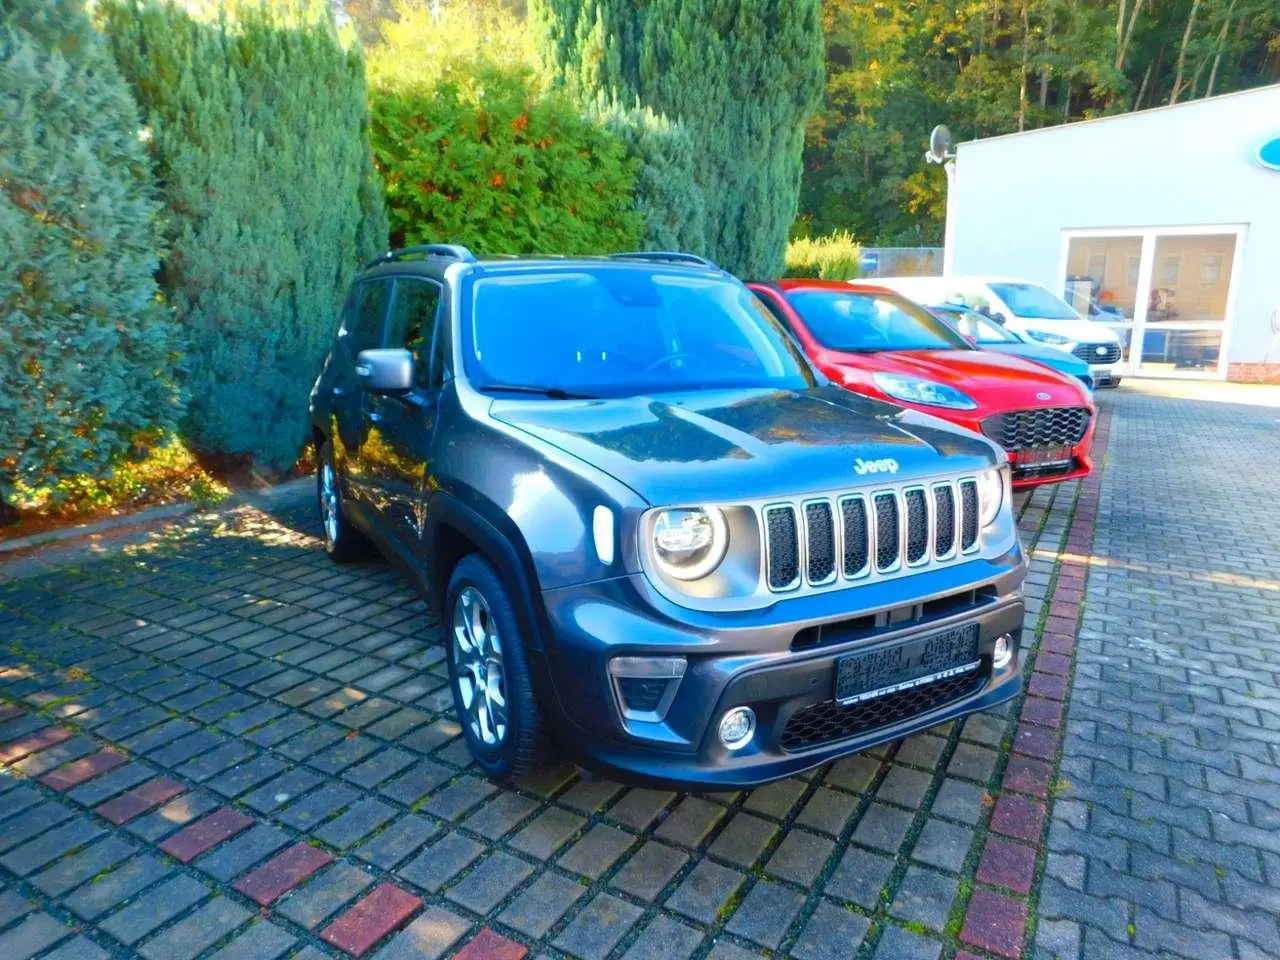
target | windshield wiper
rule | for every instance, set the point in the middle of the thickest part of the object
(555, 393)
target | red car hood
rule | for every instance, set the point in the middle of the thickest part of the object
(991, 379)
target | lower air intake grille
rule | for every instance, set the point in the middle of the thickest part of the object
(944, 534)
(820, 531)
(886, 531)
(829, 721)
(784, 547)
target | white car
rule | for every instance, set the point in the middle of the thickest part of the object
(1029, 310)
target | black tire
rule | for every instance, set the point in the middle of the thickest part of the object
(342, 541)
(1115, 382)
(522, 747)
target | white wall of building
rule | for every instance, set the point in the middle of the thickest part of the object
(1179, 166)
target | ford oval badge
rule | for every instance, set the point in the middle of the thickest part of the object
(1042, 396)
(1269, 154)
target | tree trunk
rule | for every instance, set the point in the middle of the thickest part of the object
(1182, 53)
(1044, 68)
(1217, 57)
(1122, 39)
(1146, 78)
(1022, 89)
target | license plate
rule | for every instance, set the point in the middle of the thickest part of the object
(886, 670)
(1045, 455)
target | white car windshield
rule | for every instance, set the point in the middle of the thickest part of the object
(1033, 302)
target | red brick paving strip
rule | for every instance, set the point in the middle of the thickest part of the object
(34, 742)
(282, 873)
(488, 945)
(996, 923)
(189, 842)
(139, 800)
(1009, 865)
(8, 712)
(382, 911)
(78, 771)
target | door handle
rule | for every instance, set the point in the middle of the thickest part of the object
(375, 416)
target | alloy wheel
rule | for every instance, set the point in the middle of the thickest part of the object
(329, 503)
(476, 650)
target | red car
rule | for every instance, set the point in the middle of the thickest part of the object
(876, 342)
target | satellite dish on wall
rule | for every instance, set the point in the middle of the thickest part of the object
(939, 145)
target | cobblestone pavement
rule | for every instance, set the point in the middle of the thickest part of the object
(1164, 834)
(220, 744)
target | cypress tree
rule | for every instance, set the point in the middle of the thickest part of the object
(260, 135)
(87, 350)
(742, 76)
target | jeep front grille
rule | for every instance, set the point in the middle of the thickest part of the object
(871, 535)
(1088, 352)
(1032, 429)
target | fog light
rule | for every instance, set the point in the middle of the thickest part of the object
(737, 726)
(1003, 652)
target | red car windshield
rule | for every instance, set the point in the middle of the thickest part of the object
(860, 322)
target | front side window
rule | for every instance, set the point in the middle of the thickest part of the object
(615, 331)
(1030, 300)
(362, 327)
(868, 322)
(413, 324)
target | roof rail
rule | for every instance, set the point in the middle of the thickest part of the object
(454, 251)
(666, 256)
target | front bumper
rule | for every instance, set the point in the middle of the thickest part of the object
(748, 659)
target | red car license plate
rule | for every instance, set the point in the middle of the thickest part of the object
(1045, 455)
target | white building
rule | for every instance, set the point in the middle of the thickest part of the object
(1166, 221)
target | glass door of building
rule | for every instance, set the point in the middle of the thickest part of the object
(1168, 292)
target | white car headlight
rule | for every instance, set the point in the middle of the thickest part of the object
(990, 494)
(690, 543)
(1056, 339)
(918, 390)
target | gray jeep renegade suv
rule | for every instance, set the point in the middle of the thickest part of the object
(655, 535)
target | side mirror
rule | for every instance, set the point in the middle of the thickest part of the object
(385, 371)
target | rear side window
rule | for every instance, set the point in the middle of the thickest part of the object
(362, 326)
(413, 325)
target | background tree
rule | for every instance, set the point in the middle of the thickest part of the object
(259, 123)
(996, 66)
(742, 76)
(87, 350)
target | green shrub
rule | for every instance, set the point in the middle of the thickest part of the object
(483, 158)
(87, 350)
(667, 194)
(833, 257)
(742, 76)
(260, 134)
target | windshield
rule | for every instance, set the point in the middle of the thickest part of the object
(869, 322)
(975, 325)
(1029, 300)
(620, 331)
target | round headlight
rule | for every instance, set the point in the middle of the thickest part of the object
(690, 543)
(990, 494)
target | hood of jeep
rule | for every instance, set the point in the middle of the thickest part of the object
(725, 445)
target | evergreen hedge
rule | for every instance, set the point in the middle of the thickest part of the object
(742, 76)
(482, 158)
(87, 350)
(259, 125)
